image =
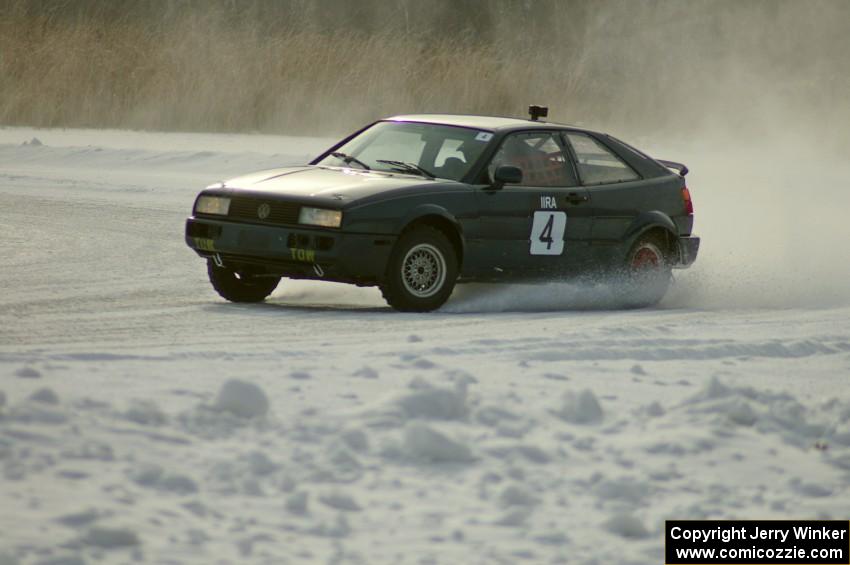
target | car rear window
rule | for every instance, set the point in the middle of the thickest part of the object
(596, 163)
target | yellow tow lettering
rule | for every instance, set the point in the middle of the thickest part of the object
(307, 255)
(205, 244)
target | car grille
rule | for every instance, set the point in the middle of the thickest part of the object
(278, 212)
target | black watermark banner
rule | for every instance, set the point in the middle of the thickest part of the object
(757, 542)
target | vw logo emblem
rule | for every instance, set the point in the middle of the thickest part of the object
(263, 211)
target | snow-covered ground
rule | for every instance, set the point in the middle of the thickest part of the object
(144, 419)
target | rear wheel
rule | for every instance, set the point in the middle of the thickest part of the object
(421, 272)
(648, 271)
(239, 287)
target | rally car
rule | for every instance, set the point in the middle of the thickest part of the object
(415, 204)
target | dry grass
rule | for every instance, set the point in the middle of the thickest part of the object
(199, 74)
(620, 64)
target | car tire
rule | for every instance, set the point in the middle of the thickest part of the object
(649, 272)
(237, 287)
(421, 271)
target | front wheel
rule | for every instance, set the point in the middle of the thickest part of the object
(648, 272)
(239, 287)
(421, 272)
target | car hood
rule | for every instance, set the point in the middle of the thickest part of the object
(335, 186)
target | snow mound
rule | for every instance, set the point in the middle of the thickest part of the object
(652, 410)
(581, 408)
(626, 526)
(296, 503)
(339, 528)
(741, 413)
(28, 373)
(110, 538)
(45, 396)
(424, 442)
(493, 416)
(514, 495)
(356, 440)
(366, 373)
(243, 399)
(145, 413)
(425, 401)
(154, 476)
(767, 412)
(519, 453)
(40, 408)
(434, 404)
(251, 474)
(514, 518)
(623, 491)
(79, 519)
(340, 501)
(259, 464)
(713, 390)
(810, 489)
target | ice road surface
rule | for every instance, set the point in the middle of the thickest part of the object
(143, 419)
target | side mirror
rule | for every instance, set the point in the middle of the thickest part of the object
(506, 174)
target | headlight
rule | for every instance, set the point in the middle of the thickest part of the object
(217, 205)
(320, 217)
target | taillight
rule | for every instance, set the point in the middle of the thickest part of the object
(686, 197)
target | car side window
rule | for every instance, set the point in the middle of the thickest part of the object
(596, 163)
(540, 157)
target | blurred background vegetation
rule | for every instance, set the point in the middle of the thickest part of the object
(328, 66)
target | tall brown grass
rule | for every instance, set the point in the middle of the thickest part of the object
(615, 63)
(201, 74)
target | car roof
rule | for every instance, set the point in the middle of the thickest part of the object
(479, 122)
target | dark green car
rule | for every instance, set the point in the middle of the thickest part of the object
(415, 204)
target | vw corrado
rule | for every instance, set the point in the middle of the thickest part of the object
(414, 204)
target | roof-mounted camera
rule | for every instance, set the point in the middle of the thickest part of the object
(537, 112)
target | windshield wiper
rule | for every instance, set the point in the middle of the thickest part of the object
(409, 167)
(348, 159)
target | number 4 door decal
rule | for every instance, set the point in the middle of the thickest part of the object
(547, 232)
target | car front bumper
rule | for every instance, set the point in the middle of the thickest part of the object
(688, 249)
(291, 251)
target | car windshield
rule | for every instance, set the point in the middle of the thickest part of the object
(412, 148)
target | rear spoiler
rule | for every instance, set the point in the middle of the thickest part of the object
(678, 167)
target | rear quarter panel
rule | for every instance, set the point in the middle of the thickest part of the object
(620, 209)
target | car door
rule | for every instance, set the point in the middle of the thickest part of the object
(615, 188)
(540, 226)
